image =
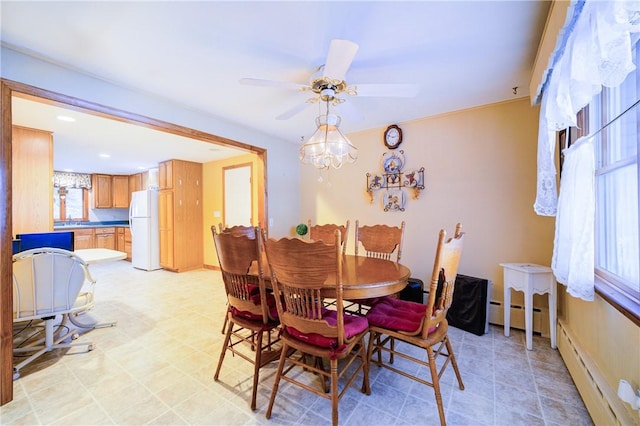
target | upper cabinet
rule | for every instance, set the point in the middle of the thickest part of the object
(120, 192)
(165, 175)
(110, 192)
(102, 192)
(32, 171)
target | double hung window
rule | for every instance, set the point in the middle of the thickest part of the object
(614, 120)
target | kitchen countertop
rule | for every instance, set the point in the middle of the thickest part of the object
(83, 225)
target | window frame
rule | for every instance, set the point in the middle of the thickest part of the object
(607, 285)
(85, 206)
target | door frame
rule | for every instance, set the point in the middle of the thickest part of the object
(224, 192)
(8, 89)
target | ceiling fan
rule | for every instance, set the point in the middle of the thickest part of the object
(328, 82)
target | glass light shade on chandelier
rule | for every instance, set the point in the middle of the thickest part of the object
(328, 147)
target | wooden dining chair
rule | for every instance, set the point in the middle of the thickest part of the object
(327, 231)
(238, 230)
(419, 325)
(310, 332)
(234, 230)
(380, 242)
(252, 313)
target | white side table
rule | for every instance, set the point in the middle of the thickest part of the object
(530, 279)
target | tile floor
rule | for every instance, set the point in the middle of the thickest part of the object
(156, 367)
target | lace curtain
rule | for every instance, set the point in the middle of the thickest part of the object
(595, 50)
(71, 180)
(573, 247)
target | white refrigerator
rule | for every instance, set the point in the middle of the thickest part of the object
(143, 221)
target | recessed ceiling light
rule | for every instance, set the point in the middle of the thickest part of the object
(66, 118)
(105, 155)
(67, 170)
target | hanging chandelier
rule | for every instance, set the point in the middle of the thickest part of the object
(328, 147)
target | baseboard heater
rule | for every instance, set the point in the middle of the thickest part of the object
(601, 400)
(540, 317)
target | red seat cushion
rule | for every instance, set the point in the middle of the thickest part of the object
(353, 325)
(398, 315)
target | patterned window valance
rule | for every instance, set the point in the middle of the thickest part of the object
(71, 180)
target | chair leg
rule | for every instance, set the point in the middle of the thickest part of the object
(454, 363)
(51, 341)
(226, 321)
(364, 356)
(435, 380)
(225, 345)
(334, 392)
(256, 370)
(276, 382)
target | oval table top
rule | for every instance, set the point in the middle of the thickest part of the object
(364, 277)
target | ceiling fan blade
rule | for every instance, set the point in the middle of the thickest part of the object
(294, 111)
(341, 54)
(386, 90)
(273, 83)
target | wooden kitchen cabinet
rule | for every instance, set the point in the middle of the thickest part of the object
(135, 184)
(127, 242)
(181, 215)
(165, 174)
(123, 241)
(165, 207)
(102, 192)
(105, 238)
(120, 188)
(83, 238)
(32, 171)
(120, 239)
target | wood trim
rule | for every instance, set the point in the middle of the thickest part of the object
(9, 88)
(619, 300)
(34, 93)
(556, 18)
(6, 224)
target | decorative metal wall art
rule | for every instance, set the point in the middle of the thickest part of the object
(394, 181)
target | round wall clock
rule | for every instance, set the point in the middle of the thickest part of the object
(393, 137)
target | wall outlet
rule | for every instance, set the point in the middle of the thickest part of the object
(216, 213)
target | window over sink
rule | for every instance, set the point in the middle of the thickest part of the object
(70, 204)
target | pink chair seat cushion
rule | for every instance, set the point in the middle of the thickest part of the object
(255, 298)
(353, 325)
(398, 315)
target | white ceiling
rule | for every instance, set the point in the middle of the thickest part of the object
(461, 54)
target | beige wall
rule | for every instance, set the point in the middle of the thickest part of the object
(213, 197)
(480, 170)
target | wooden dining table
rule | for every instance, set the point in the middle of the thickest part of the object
(362, 277)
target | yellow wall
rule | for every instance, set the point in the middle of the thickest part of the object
(480, 170)
(213, 197)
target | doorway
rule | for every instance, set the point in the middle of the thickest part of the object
(238, 197)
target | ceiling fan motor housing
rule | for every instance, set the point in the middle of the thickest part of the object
(327, 88)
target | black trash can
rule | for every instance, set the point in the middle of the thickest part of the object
(414, 291)
(469, 309)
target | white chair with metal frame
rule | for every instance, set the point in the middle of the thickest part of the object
(48, 283)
